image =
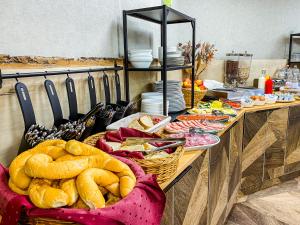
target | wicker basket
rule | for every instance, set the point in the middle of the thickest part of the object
(187, 93)
(164, 168)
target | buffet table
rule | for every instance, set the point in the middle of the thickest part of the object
(258, 149)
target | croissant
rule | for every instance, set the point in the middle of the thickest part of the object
(44, 196)
(87, 185)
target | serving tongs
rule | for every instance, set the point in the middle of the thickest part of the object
(197, 130)
(175, 142)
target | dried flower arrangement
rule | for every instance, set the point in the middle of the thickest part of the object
(204, 53)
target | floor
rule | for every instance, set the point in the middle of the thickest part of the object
(278, 205)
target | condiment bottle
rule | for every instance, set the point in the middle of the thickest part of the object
(268, 85)
(262, 80)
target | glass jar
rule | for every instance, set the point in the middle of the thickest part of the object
(231, 69)
(244, 66)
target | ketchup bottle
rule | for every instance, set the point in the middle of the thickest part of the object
(268, 85)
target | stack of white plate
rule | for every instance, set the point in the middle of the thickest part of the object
(174, 94)
(152, 103)
(174, 56)
(140, 58)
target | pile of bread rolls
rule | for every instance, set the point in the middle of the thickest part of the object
(56, 174)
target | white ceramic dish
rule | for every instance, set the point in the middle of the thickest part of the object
(141, 58)
(271, 99)
(257, 102)
(141, 64)
(140, 51)
(127, 120)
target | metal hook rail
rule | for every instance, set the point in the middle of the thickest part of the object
(51, 73)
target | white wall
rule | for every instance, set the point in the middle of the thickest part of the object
(76, 28)
(261, 27)
(68, 28)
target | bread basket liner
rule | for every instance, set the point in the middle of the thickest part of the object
(144, 205)
(164, 168)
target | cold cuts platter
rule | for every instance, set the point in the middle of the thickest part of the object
(184, 126)
(197, 141)
(223, 118)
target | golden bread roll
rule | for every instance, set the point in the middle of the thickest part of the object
(16, 168)
(44, 196)
(55, 142)
(14, 188)
(87, 185)
(103, 190)
(114, 189)
(126, 184)
(78, 148)
(80, 204)
(43, 166)
(69, 187)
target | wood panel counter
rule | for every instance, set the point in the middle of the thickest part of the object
(258, 149)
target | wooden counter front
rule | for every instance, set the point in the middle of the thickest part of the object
(258, 149)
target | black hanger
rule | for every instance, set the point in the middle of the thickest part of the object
(70, 85)
(92, 91)
(27, 111)
(54, 102)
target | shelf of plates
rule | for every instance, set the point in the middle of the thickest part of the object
(162, 15)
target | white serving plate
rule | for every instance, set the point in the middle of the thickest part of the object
(127, 120)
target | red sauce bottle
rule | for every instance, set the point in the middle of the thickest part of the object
(268, 85)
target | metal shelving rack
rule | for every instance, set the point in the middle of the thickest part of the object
(290, 61)
(162, 15)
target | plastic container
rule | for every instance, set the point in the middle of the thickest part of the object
(268, 85)
(262, 79)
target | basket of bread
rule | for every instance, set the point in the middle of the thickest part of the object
(141, 121)
(154, 156)
(60, 182)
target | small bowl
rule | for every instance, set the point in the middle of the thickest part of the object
(141, 58)
(140, 51)
(141, 64)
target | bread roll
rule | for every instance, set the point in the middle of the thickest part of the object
(14, 188)
(44, 196)
(55, 142)
(42, 166)
(87, 185)
(69, 187)
(16, 168)
(78, 148)
(126, 184)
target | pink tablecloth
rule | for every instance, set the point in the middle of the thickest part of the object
(144, 205)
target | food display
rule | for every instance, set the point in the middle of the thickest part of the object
(213, 108)
(247, 102)
(197, 141)
(181, 127)
(57, 174)
(141, 121)
(198, 85)
(270, 98)
(285, 97)
(208, 117)
(258, 99)
(232, 104)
